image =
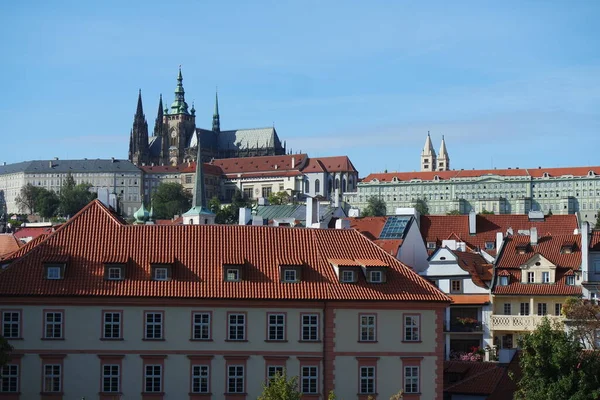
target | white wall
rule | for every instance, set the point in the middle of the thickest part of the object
(413, 251)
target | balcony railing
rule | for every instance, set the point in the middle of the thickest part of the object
(458, 327)
(518, 322)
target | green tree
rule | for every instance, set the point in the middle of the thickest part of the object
(376, 207)
(583, 321)
(555, 367)
(486, 212)
(74, 197)
(27, 198)
(453, 212)
(170, 199)
(5, 350)
(48, 203)
(421, 206)
(279, 198)
(281, 388)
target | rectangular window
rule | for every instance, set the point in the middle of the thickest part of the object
(266, 191)
(9, 379)
(504, 281)
(347, 276)
(411, 328)
(200, 379)
(310, 327)
(201, 321)
(161, 274)
(367, 328)
(154, 326)
(489, 245)
(233, 275)
(524, 309)
(507, 309)
(558, 309)
(11, 324)
(289, 275)
(455, 286)
(235, 379)
(53, 273)
(273, 371)
(411, 379)
(237, 327)
(309, 380)
(545, 277)
(110, 378)
(153, 378)
(542, 309)
(375, 277)
(431, 245)
(367, 380)
(112, 325)
(52, 378)
(530, 277)
(276, 326)
(570, 279)
(53, 325)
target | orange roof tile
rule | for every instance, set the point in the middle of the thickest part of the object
(33, 232)
(470, 298)
(476, 378)
(329, 164)
(371, 227)
(96, 235)
(595, 240)
(260, 164)
(548, 246)
(8, 244)
(477, 266)
(25, 248)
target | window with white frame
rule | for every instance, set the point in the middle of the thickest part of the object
(153, 378)
(289, 275)
(411, 379)
(489, 245)
(531, 277)
(367, 328)
(114, 273)
(455, 286)
(11, 324)
(232, 274)
(310, 327)
(110, 378)
(112, 325)
(9, 379)
(545, 277)
(53, 273)
(200, 379)
(235, 379)
(309, 380)
(276, 326)
(367, 380)
(504, 281)
(411, 328)
(542, 309)
(161, 273)
(570, 279)
(431, 245)
(347, 276)
(273, 371)
(237, 327)
(52, 378)
(524, 309)
(375, 277)
(201, 326)
(558, 309)
(154, 325)
(53, 323)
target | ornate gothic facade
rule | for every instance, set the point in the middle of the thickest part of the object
(175, 136)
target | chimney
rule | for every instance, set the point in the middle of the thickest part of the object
(112, 159)
(50, 164)
(499, 241)
(293, 163)
(533, 234)
(245, 216)
(585, 248)
(342, 223)
(55, 158)
(4, 163)
(472, 222)
(312, 212)
(336, 200)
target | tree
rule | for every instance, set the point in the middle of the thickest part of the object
(453, 212)
(74, 197)
(421, 206)
(583, 321)
(5, 350)
(486, 212)
(170, 199)
(597, 226)
(281, 388)
(279, 198)
(27, 198)
(555, 367)
(48, 203)
(376, 207)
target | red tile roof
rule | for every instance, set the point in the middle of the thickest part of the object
(260, 164)
(595, 241)
(25, 248)
(32, 232)
(477, 266)
(470, 298)
(436, 228)
(95, 236)
(457, 174)
(548, 246)
(371, 227)
(469, 377)
(329, 164)
(8, 244)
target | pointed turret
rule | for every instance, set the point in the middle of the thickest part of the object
(443, 160)
(428, 158)
(199, 214)
(158, 122)
(179, 106)
(138, 142)
(216, 123)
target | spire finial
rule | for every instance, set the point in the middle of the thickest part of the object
(216, 123)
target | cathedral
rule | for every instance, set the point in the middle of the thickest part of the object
(175, 136)
(434, 162)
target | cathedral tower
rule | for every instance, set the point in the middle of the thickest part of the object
(138, 140)
(443, 160)
(216, 123)
(179, 126)
(428, 157)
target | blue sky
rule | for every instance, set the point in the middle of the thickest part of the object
(509, 83)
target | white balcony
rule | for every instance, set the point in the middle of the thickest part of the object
(518, 322)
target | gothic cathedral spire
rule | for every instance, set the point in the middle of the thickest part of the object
(216, 123)
(138, 143)
(443, 160)
(428, 158)
(179, 106)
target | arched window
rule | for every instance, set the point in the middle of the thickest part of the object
(337, 183)
(317, 186)
(344, 185)
(330, 185)
(306, 186)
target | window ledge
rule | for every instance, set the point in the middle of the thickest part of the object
(276, 341)
(111, 339)
(193, 395)
(153, 394)
(201, 340)
(236, 340)
(14, 338)
(367, 341)
(309, 341)
(412, 341)
(49, 338)
(48, 394)
(153, 340)
(110, 393)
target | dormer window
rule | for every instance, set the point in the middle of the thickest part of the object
(161, 272)
(114, 272)
(521, 248)
(431, 245)
(504, 281)
(375, 277)
(566, 249)
(347, 276)
(489, 245)
(290, 273)
(570, 280)
(545, 277)
(54, 271)
(232, 275)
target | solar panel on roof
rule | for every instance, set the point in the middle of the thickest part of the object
(394, 227)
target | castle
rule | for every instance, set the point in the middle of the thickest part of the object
(175, 136)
